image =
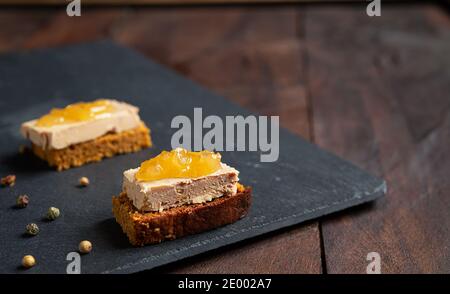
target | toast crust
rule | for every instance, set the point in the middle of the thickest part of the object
(144, 228)
(94, 150)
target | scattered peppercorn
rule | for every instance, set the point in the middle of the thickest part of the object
(22, 201)
(28, 261)
(85, 246)
(53, 213)
(84, 181)
(9, 180)
(32, 229)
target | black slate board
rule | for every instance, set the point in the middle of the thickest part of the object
(305, 183)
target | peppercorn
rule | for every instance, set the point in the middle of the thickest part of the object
(53, 213)
(84, 181)
(85, 246)
(22, 201)
(32, 229)
(9, 180)
(28, 261)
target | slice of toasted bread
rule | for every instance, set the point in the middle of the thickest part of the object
(154, 227)
(94, 150)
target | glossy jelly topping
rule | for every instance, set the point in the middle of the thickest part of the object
(77, 112)
(179, 163)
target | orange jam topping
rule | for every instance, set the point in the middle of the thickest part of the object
(76, 112)
(179, 163)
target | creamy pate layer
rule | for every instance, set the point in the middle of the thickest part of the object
(168, 193)
(124, 117)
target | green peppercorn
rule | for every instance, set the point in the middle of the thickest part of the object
(22, 201)
(53, 213)
(32, 229)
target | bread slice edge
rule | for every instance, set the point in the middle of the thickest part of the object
(144, 228)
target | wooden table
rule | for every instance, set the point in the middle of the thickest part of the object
(375, 91)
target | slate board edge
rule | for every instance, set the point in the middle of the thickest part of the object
(252, 232)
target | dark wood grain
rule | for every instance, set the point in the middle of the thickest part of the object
(16, 25)
(252, 56)
(380, 91)
(154, 2)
